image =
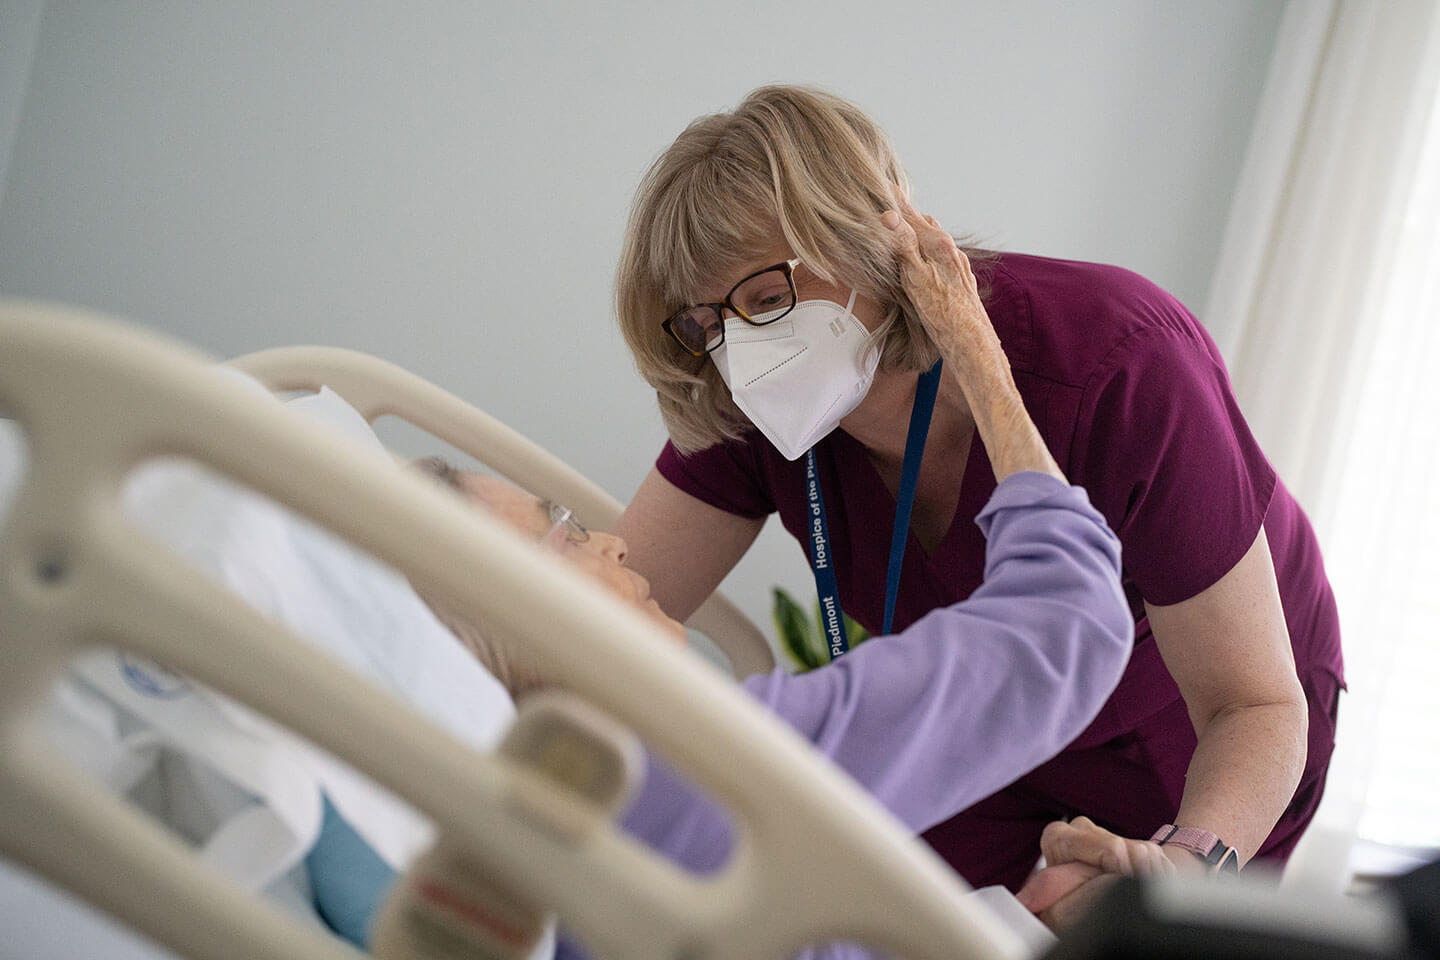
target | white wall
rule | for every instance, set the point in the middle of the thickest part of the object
(19, 29)
(445, 184)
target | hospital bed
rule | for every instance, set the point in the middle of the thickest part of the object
(95, 399)
(815, 860)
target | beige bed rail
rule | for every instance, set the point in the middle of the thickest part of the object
(377, 388)
(816, 858)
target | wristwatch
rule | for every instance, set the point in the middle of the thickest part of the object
(1220, 857)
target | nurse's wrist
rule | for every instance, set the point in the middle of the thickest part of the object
(1196, 850)
(1186, 863)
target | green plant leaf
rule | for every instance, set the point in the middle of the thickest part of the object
(803, 642)
(794, 632)
(856, 633)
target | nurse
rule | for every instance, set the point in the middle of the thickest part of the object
(801, 369)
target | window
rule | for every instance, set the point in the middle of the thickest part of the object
(1383, 546)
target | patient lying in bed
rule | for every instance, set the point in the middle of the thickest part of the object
(926, 722)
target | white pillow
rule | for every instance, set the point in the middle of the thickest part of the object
(347, 603)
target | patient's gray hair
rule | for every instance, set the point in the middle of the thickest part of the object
(442, 470)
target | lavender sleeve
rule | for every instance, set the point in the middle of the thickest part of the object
(963, 701)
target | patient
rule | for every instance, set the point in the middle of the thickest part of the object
(928, 720)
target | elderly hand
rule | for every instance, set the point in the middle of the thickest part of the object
(1061, 894)
(938, 280)
(937, 277)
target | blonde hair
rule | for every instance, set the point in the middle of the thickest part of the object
(790, 159)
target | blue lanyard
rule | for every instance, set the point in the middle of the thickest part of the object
(832, 617)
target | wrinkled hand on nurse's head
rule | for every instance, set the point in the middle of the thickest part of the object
(936, 276)
(940, 284)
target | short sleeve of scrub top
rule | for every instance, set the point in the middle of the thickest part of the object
(1168, 459)
(725, 475)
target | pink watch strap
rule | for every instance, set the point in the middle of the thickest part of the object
(1194, 839)
(1206, 845)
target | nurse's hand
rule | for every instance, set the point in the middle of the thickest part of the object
(1081, 840)
(1083, 859)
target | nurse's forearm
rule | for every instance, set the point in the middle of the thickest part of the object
(1228, 648)
(1246, 765)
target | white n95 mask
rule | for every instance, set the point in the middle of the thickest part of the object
(798, 377)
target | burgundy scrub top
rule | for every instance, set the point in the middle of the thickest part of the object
(1134, 402)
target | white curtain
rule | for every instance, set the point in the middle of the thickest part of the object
(1312, 276)
(1311, 228)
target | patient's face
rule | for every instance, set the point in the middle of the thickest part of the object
(602, 556)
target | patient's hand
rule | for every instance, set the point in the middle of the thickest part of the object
(1059, 894)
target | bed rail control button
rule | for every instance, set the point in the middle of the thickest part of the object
(576, 769)
(563, 742)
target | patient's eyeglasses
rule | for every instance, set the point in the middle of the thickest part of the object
(763, 297)
(564, 528)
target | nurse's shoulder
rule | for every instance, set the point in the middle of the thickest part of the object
(1064, 319)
